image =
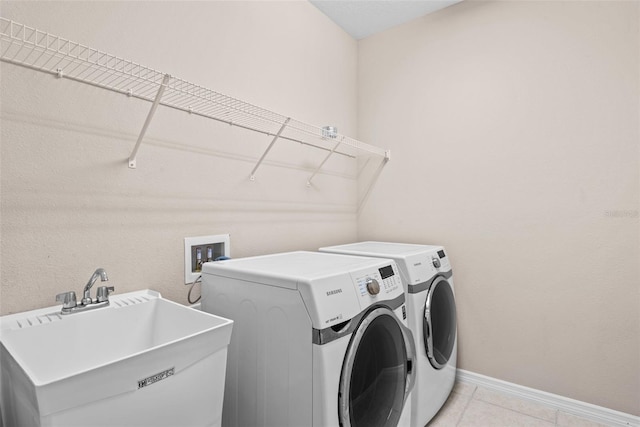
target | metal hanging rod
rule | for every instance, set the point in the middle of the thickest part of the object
(28, 47)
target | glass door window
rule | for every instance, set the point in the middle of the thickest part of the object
(440, 323)
(374, 375)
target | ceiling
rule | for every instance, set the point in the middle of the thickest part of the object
(362, 18)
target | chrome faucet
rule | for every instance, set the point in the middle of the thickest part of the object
(70, 304)
(86, 293)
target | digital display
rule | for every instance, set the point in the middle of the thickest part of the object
(386, 272)
(441, 254)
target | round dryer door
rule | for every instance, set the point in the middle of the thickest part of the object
(439, 323)
(377, 372)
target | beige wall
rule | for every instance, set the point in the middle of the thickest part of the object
(69, 203)
(514, 130)
(514, 136)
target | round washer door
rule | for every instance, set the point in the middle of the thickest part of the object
(376, 373)
(439, 323)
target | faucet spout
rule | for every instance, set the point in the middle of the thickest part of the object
(68, 299)
(86, 297)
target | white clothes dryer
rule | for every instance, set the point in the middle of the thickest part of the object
(319, 340)
(427, 278)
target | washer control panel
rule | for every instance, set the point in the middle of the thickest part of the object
(436, 262)
(440, 260)
(379, 284)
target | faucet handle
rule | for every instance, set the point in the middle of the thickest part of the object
(103, 293)
(68, 299)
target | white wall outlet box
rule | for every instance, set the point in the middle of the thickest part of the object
(198, 250)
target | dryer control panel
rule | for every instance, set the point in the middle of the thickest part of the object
(418, 268)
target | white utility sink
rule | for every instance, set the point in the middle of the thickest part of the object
(142, 361)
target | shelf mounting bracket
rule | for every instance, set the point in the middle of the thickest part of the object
(333, 150)
(385, 159)
(156, 101)
(273, 141)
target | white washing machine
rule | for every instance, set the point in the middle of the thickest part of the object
(428, 281)
(319, 340)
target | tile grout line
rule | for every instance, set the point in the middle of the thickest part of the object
(554, 422)
(475, 388)
(598, 414)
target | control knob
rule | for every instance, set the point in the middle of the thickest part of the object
(373, 287)
(436, 262)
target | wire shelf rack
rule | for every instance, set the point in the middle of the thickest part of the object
(29, 47)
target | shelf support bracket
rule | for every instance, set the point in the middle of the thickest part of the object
(156, 101)
(374, 178)
(275, 138)
(333, 150)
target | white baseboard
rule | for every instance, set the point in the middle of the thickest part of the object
(585, 410)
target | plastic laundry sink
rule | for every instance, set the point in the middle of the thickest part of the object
(143, 360)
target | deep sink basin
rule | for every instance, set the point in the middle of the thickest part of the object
(141, 361)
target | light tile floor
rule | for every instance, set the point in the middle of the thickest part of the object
(474, 406)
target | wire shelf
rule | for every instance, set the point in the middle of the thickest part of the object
(38, 50)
